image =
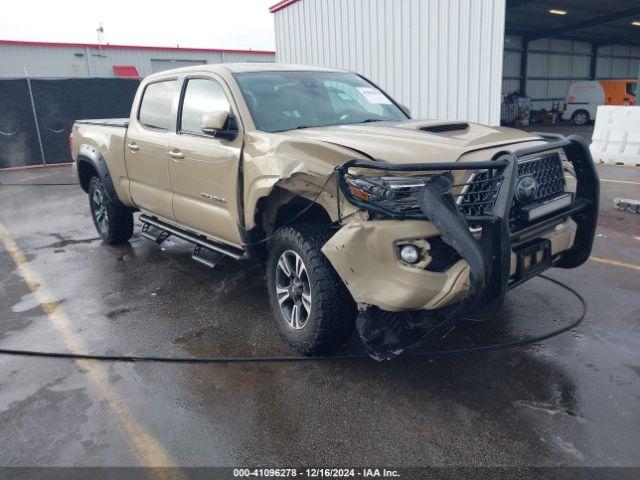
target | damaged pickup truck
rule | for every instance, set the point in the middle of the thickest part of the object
(364, 217)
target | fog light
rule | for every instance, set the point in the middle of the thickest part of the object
(409, 254)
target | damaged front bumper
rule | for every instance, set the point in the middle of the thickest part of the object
(492, 257)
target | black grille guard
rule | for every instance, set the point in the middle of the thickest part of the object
(489, 257)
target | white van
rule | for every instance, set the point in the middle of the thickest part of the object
(583, 98)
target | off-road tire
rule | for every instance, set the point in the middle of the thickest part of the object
(119, 224)
(331, 320)
(581, 118)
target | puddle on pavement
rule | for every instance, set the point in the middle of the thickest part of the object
(31, 300)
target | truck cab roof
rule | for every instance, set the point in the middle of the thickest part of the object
(242, 68)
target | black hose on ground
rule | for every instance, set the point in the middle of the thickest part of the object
(37, 184)
(433, 353)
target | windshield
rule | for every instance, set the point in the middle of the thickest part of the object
(281, 101)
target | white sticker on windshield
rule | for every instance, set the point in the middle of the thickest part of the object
(373, 96)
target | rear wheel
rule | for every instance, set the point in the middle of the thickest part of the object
(113, 222)
(581, 117)
(312, 306)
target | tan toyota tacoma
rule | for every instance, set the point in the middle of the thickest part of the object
(364, 217)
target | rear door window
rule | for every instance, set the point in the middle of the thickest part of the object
(155, 108)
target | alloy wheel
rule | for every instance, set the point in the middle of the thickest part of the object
(293, 290)
(99, 210)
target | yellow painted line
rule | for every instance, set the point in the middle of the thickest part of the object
(602, 164)
(608, 180)
(147, 448)
(615, 263)
(619, 181)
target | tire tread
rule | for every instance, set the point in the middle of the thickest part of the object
(334, 317)
(120, 218)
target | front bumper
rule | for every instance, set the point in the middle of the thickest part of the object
(364, 255)
(493, 260)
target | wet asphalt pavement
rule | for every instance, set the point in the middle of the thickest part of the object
(572, 400)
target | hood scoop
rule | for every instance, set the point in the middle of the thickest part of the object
(445, 127)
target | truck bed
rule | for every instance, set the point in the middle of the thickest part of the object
(104, 137)
(107, 122)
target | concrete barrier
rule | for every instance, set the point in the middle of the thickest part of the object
(616, 135)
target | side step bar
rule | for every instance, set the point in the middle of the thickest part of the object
(201, 242)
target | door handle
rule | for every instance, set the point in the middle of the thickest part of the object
(176, 155)
(134, 147)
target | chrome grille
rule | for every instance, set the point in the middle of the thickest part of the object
(478, 195)
(549, 175)
(547, 171)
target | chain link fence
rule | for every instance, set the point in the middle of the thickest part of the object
(36, 114)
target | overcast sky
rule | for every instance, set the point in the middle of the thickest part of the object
(239, 24)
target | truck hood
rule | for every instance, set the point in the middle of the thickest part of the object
(414, 141)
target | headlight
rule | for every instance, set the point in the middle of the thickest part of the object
(394, 194)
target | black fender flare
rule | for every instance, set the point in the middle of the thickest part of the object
(91, 156)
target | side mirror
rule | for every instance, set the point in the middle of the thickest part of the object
(219, 124)
(406, 111)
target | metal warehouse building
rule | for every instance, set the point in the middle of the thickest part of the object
(40, 59)
(45, 87)
(454, 59)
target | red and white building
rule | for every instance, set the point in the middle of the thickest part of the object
(64, 60)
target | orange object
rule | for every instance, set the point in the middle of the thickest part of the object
(619, 92)
(584, 97)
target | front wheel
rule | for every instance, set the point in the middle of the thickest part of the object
(312, 306)
(580, 118)
(113, 222)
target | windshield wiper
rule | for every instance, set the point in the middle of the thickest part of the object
(369, 120)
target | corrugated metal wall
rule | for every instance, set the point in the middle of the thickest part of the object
(64, 61)
(441, 58)
(511, 64)
(554, 64)
(618, 61)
